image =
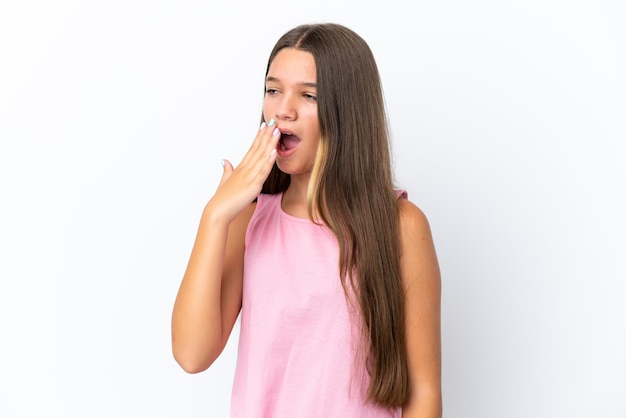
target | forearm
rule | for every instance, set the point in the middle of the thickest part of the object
(197, 320)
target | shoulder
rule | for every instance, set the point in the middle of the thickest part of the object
(239, 225)
(262, 209)
(418, 257)
(411, 218)
(267, 202)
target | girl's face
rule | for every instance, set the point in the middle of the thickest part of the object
(291, 100)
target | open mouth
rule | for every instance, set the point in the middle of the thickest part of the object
(288, 141)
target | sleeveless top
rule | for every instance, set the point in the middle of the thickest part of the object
(298, 353)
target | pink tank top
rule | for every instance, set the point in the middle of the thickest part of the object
(298, 342)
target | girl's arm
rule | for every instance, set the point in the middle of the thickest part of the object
(422, 281)
(209, 297)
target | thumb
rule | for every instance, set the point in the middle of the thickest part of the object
(228, 170)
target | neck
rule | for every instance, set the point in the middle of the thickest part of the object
(294, 198)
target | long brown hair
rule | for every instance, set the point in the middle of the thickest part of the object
(351, 190)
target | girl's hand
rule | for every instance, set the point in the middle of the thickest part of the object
(240, 186)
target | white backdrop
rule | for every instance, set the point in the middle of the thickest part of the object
(508, 121)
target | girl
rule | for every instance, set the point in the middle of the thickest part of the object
(333, 270)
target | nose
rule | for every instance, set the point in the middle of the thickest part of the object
(286, 109)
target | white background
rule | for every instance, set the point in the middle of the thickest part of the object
(508, 121)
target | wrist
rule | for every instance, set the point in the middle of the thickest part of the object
(212, 216)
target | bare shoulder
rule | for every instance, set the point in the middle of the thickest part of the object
(235, 243)
(240, 223)
(417, 249)
(412, 221)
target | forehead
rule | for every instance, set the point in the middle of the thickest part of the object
(293, 65)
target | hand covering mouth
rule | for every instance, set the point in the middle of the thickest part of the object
(288, 141)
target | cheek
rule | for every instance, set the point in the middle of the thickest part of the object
(269, 108)
(312, 119)
(266, 111)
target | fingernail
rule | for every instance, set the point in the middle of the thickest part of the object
(273, 152)
(271, 122)
(262, 126)
(276, 131)
(222, 162)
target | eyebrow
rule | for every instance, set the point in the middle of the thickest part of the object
(276, 80)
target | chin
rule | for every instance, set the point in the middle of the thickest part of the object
(293, 169)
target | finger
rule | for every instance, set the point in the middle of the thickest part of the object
(260, 162)
(271, 153)
(256, 147)
(272, 145)
(263, 158)
(228, 170)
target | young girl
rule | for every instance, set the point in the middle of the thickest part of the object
(332, 269)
